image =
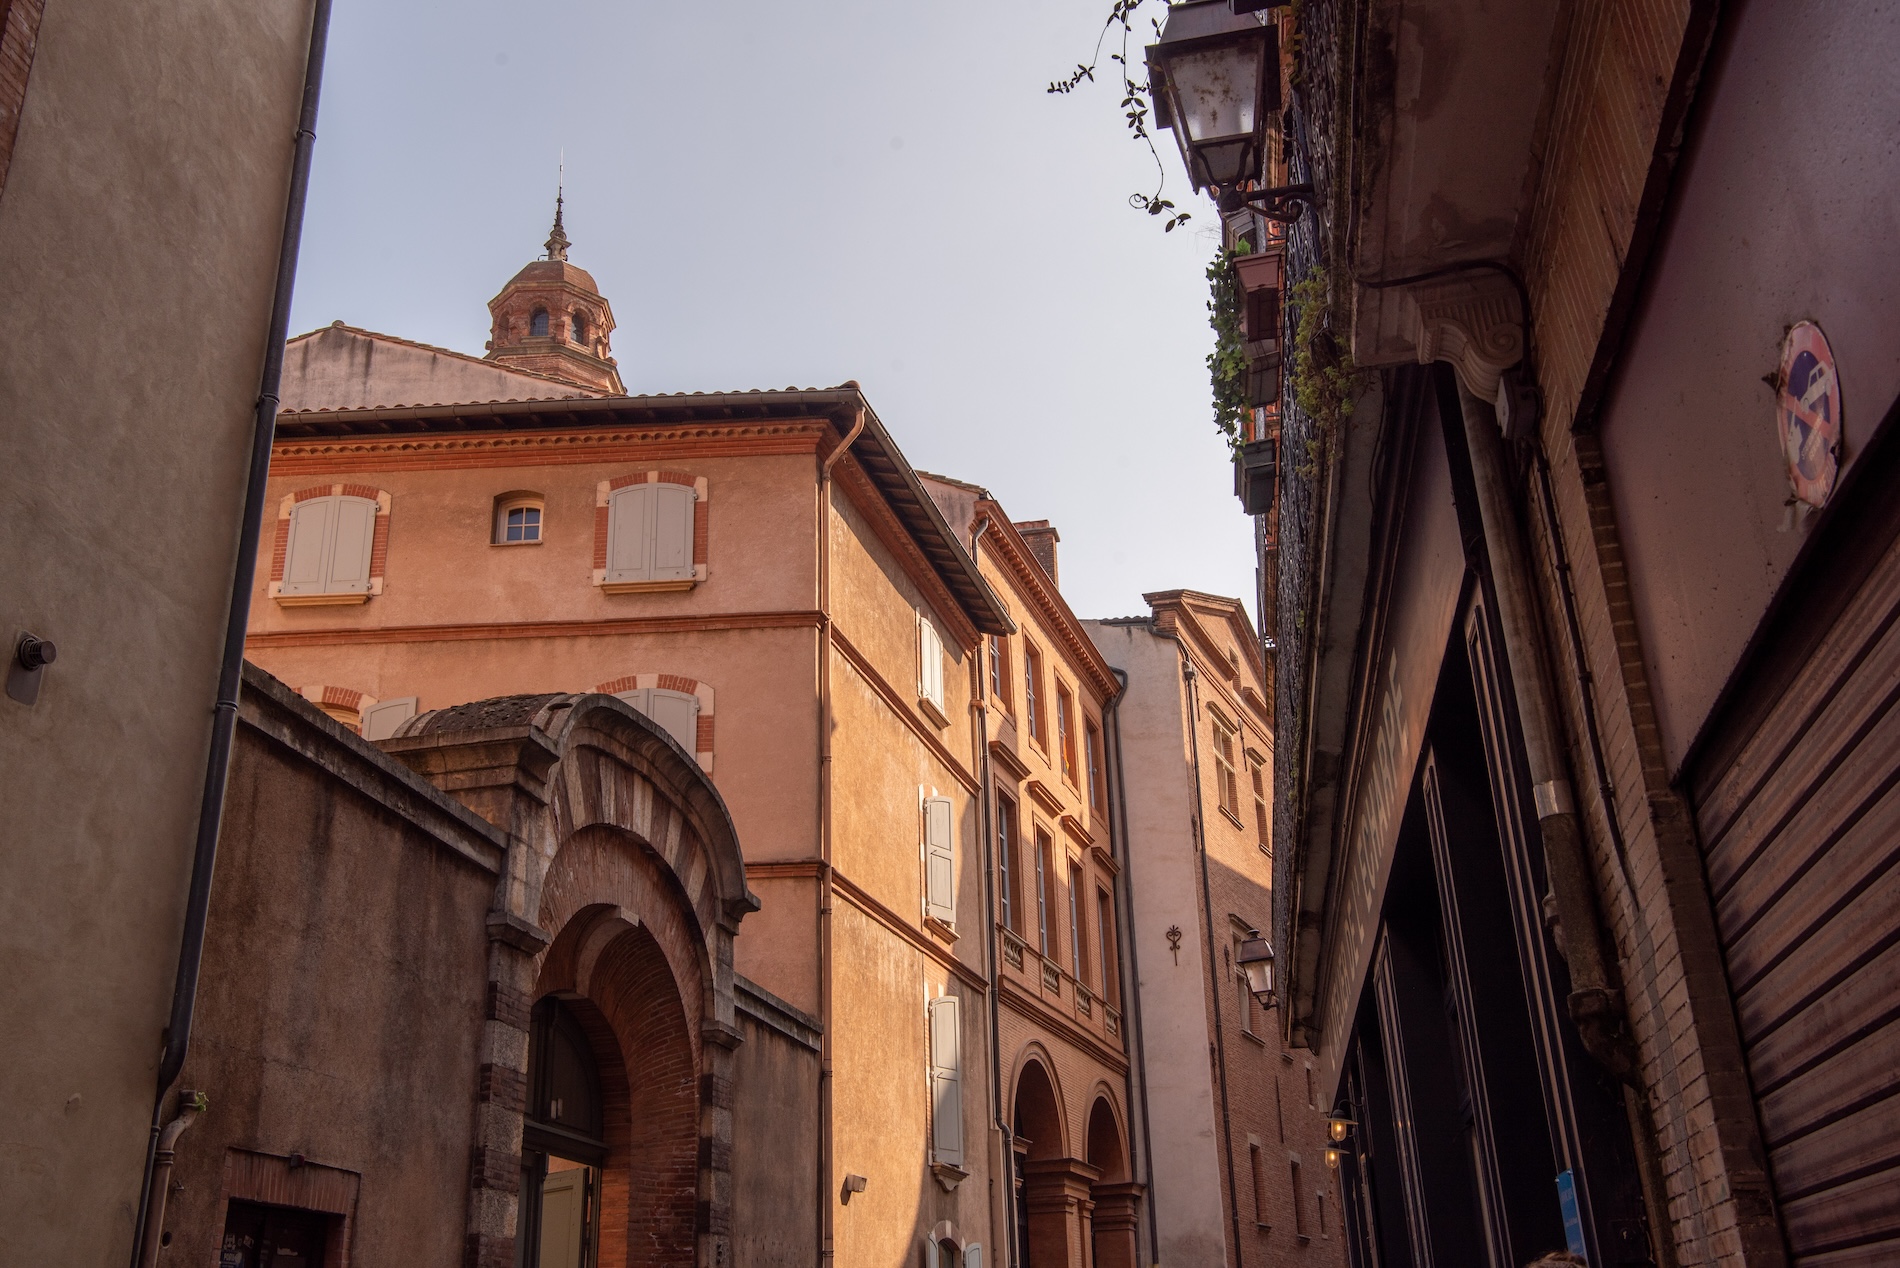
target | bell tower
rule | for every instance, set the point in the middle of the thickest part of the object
(552, 319)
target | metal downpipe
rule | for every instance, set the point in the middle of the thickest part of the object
(1595, 1003)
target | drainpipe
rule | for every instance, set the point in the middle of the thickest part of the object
(1595, 1003)
(158, 1189)
(1131, 960)
(177, 1039)
(1189, 677)
(980, 706)
(825, 1204)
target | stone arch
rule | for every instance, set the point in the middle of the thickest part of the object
(622, 899)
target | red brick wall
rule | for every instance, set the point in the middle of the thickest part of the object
(19, 36)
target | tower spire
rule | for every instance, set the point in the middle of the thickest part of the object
(557, 241)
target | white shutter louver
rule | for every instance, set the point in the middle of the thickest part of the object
(630, 534)
(381, 719)
(939, 861)
(305, 564)
(973, 1255)
(672, 532)
(355, 534)
(946, 1083)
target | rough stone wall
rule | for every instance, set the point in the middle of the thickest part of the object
(342, 1001)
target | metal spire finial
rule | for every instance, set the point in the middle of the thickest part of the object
(557, 241)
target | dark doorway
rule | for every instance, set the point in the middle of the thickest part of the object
(563, 1145)
(259, 1236)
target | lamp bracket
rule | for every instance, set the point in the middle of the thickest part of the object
(1282, 203)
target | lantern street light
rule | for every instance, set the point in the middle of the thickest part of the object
(1256, 960)
(1215, 79)
(1338, 1127)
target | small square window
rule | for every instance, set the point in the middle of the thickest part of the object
(517, 521)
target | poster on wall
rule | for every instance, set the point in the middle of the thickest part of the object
(1808, 412)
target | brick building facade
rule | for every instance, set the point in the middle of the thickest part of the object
(1584, 625)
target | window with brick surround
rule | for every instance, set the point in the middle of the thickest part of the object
(1065, 731)
(1105, 935)
(1006, 864)
(331, 543)
(1032, 690)
(1092, 757)
(1299, 1206)
(1078, 939)
(1045, 865)
(538, 323)
(1259, 1185)
(650, 532)
(1229, 783)
(999, 669)
(1262, 817)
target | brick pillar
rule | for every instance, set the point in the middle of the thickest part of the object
(1117, 1216)
(1056, 1195)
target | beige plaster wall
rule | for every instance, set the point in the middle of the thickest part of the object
(139, 233)
(1164, 893)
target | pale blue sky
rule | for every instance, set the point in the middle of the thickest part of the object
(775, 195)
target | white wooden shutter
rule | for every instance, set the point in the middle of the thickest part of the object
(677, 712)
(946, 1081)
(929, 663)
(355, 534)
(630, 534)
(672, 532)
(939, 861)
(381, 719)
(306, 563)
(973, 1255)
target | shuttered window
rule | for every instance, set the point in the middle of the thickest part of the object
(939, 861)
(1262, 818)
(650, 533)
(946, 1081)
(1005, 860)
(329, 547)
(381, 719)
(929, 664)
(1065, 731)
(677, 712)
(1043, 864)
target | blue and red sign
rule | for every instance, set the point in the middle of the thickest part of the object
(1808, 410)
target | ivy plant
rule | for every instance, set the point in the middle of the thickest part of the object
(1325, 380)
(1227, 363)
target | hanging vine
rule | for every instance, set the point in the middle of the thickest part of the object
(1135, 105)
(1326, 383)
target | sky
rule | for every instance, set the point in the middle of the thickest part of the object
(777, 195)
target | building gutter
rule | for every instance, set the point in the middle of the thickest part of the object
(825, 1206)
(177, 1040)
(979, 706)
(1595, 1003)
(1137, 1074)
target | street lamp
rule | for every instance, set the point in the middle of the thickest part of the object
(1256, 960)
(1338, 1127)
(1215, 78)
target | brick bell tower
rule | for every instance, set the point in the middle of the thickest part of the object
(552, 319)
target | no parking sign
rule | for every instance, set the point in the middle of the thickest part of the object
(1808, 411)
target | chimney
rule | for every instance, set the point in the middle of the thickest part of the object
(1042, 541)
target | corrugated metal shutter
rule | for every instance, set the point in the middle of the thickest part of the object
(1802, 835)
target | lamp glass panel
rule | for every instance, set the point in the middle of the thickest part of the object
(1217, 90)
(1226, 162)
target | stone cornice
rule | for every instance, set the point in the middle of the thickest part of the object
(1008, 546)
(317, 455)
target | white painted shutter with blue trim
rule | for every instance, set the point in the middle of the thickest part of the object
(946, 1081)
(939, 860)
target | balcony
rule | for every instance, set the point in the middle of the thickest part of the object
(1058, 990)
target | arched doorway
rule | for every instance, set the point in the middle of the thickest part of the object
(1052, 1188)
(563, 1144)
(1117, 1202)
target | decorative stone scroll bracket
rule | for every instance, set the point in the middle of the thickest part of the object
(1472, 320)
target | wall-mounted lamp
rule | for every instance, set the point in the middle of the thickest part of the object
(1338, 1127)
(1215, 75)
(1256, 959)
(852, 1184)
(31, 656)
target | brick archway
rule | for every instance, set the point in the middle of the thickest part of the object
(1117, 1201)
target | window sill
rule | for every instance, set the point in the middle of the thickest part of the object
(1233, 818)
(647, 587)
(532, 543)
(931, 711)
(320, 600)
(940, 930)
(1248, 1034)
(948, 1175)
